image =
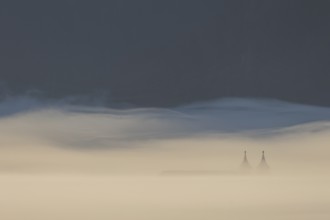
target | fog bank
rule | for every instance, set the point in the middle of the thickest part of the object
(65, 161)
(60, 137)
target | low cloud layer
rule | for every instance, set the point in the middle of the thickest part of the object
(58, 136)
(83, 162)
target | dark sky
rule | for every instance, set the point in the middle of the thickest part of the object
(167, 52)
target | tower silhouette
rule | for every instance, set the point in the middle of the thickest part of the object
(245, 165)
(263, 166)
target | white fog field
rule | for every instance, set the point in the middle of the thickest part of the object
(95, 163)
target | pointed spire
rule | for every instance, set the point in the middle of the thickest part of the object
(263, 166)
(245, 165)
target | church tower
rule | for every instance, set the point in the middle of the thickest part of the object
(245, 165)
(263, 166)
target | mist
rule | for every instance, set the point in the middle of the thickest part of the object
(109, 163)
(122, 110)
(45, 137)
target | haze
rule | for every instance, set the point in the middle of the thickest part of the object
(80, 162)
(145, 110)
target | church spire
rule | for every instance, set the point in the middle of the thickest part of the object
(245, 165)
(263, 166)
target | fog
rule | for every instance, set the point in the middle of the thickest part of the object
(65, 161)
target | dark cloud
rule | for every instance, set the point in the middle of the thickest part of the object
(161, 53)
